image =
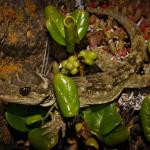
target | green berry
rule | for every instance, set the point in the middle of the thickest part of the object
(69, 66)
(77, 64)
(89, 56)
(88, 61)
(92, 142)
(74, 71)
(64, 63)
(82, 53)
(72, 59)
(93, 55)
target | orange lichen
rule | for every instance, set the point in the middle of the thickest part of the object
(8, 12)
(8, 66)
(8, 69)
(12, 37)
(30, 7)
(29, 34)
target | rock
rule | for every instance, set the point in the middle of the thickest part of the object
(22, 30)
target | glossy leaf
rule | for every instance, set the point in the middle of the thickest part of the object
(33, 119)
(16, 116)
(145, 117)
(54, 32)
(117, 136)
(17, 122)
(102, 119)
(57, 17)
(81, 17)
(40, 141)
(66, 35)
(67, 95)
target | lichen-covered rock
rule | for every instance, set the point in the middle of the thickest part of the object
(22, 30)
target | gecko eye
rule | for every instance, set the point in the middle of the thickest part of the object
(25, 91)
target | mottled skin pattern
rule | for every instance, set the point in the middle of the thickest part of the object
(56, 124)
(92, 95)
(89, 89)
(10, 88)
(93, 89)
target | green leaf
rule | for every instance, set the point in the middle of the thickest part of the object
(145, 117)
(54, 32)
(18, 116)
(33, 119)
(40, 141)
(17, 122)
(82, 21)
(102, 119)
(57, 17)
(119, 135)
(66, 94)
(93, 120)
(54, 24)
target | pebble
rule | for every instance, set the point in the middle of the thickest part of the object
(131, 100)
